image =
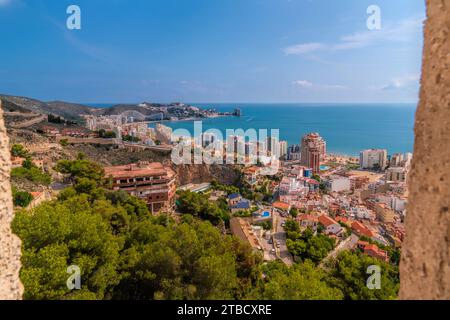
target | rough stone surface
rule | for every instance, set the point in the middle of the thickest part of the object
(425, 263)
(10, 252)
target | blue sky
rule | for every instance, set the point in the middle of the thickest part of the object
(211, 51)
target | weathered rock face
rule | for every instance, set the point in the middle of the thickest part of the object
(10, 252)
(425, 264)
(226, 174)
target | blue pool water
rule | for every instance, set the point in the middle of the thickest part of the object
(265, 214)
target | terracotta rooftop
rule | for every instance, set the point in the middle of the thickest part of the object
(362, 229)
(35, 194)
(326, 221)
(281, 205)
(251, 170)
(307, 217)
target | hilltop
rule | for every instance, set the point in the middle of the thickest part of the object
(75, 111)
(67, 110)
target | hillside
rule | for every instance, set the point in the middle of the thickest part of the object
(120, 108)
(64, 109)
(9, 106)
(72, 111)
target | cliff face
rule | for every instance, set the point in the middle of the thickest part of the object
(225, 174)
(425, 264)
(10, 251)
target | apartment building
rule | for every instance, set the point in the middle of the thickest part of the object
(152, 182)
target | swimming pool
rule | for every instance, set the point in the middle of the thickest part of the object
(324, 168)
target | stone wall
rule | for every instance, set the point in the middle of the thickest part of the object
(425, 263)
(10, 252)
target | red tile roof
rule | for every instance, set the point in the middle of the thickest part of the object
(35, 194)
(373, 251)
(308, 217)
(362, 243)
(361, 229)
(326, 221)
(281, 205)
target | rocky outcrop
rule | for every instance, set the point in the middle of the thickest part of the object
(10, 251)
(425, 263)
(226, 174)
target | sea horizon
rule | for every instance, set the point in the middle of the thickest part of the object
(347, 128)
(262, 104)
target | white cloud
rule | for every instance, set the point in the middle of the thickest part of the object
(403, 82)
(305, 84)
(303, 48)
(403, 31)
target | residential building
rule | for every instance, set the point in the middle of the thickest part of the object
(234, 198)
(357, 182)
(312, 184)
(151, 182)
(396, 160)
(294, 152)
(283, 148)
(273, 146)
(242, 229)
(331, 226)
(38, 198)
(163, 133)
(51, 131)
(361, 230)
(382, 210)
(338, 184)
(251, 175)
(313, 151)
(361, 212)
(282, 206)
(216, 195)
(290, 185)
(242, 205)
(373, 159)
(396, 174)
(372, 250)
(308, 221)
(398, 203)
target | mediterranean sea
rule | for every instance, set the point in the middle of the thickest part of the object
(347, 128)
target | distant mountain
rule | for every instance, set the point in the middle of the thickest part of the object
(120, 108)
(22, 103)
(75, 111)
(64, 109)
(71, 108)
(12, 107)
